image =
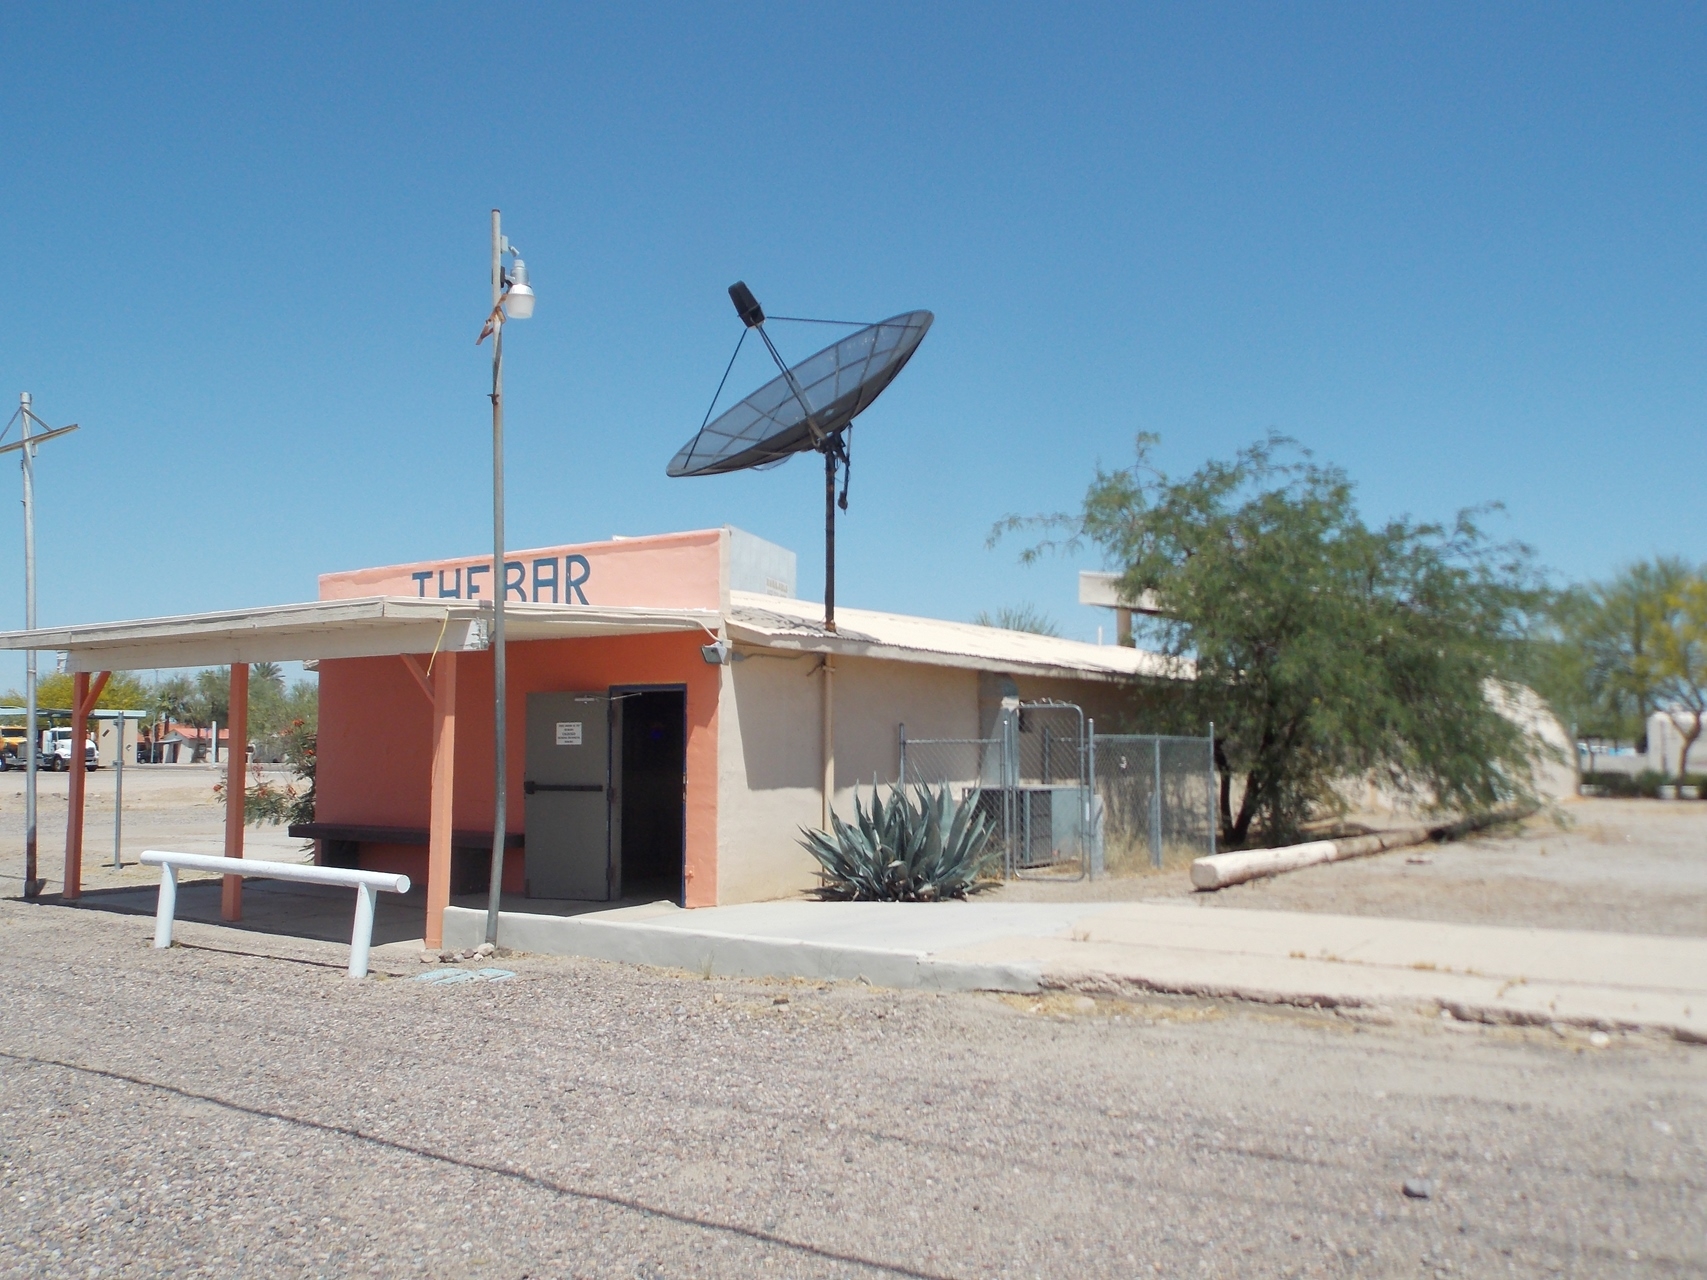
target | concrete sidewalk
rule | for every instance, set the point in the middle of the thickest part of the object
(1477, 972)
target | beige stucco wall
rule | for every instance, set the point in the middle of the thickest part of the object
(767, 772)
(770, 765)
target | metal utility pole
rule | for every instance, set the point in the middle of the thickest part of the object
(118, 794)
(32, 885)
(26, 448)
(495, 890)
(512, 299)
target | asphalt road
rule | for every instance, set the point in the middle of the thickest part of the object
(235, 1107)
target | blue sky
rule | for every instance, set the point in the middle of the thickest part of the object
(1455, 249)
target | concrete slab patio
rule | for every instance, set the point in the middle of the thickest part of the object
(1472, 972)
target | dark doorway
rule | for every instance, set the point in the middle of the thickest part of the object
(654, 775)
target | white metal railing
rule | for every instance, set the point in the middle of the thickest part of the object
(366, 884)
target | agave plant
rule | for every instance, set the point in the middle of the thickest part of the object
(902, 849)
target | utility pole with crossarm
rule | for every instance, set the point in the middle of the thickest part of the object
(26, 448)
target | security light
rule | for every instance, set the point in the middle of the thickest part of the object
(518, 300)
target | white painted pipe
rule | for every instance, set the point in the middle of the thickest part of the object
(1218, 870)
(168, 905)
(361, 937)
(1222, 869)
(366, 883)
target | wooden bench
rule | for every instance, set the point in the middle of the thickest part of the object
(470, 851)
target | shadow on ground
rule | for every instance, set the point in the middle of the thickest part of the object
(322, 912)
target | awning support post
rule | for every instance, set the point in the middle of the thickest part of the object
(82, 702)
(236, 762)
(444, 777)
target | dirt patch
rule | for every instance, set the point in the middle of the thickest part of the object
(165, 807)
(1625, 866)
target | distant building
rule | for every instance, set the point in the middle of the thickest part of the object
(180, 743)
(1665, 744)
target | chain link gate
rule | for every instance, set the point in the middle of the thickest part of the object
(1034, 785)
(1068, 803)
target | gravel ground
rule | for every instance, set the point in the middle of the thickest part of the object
(1625, 866)
(233, 1106)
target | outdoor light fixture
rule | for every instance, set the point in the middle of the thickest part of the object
(518, 298)
(716, 653)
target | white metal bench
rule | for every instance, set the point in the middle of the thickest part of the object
(365, 883)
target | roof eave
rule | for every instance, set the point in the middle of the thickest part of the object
(840, 647)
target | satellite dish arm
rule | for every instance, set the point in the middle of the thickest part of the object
(753, 316)
(794, 386)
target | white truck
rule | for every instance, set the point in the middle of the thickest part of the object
(56, 751)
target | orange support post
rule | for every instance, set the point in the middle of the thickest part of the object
(82, 702)
(236, 766)
(444, 774)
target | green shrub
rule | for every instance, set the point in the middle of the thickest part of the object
(1621, 785)
(919, 849)
(1644, 785)
(292, 803)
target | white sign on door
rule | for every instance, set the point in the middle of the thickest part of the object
(568, 733)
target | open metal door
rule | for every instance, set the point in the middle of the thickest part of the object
(567, 786)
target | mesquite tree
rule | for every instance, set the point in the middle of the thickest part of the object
(1680, 660)
(1323, 648)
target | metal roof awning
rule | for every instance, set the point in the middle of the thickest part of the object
(373, 626)
(796, 625)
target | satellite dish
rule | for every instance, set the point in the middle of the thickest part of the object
(809, 407)
(834, 387)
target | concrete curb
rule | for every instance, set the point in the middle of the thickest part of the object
(1363, 968)
(1126, 986)
(735, 955)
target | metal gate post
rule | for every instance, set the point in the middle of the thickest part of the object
(903, 779)
(1092, 836)
(1214, 792)
(1007, 805)
(118, 799)
(1156, 810)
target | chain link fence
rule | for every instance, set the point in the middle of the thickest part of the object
(1068, 803)
(1158, 800)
